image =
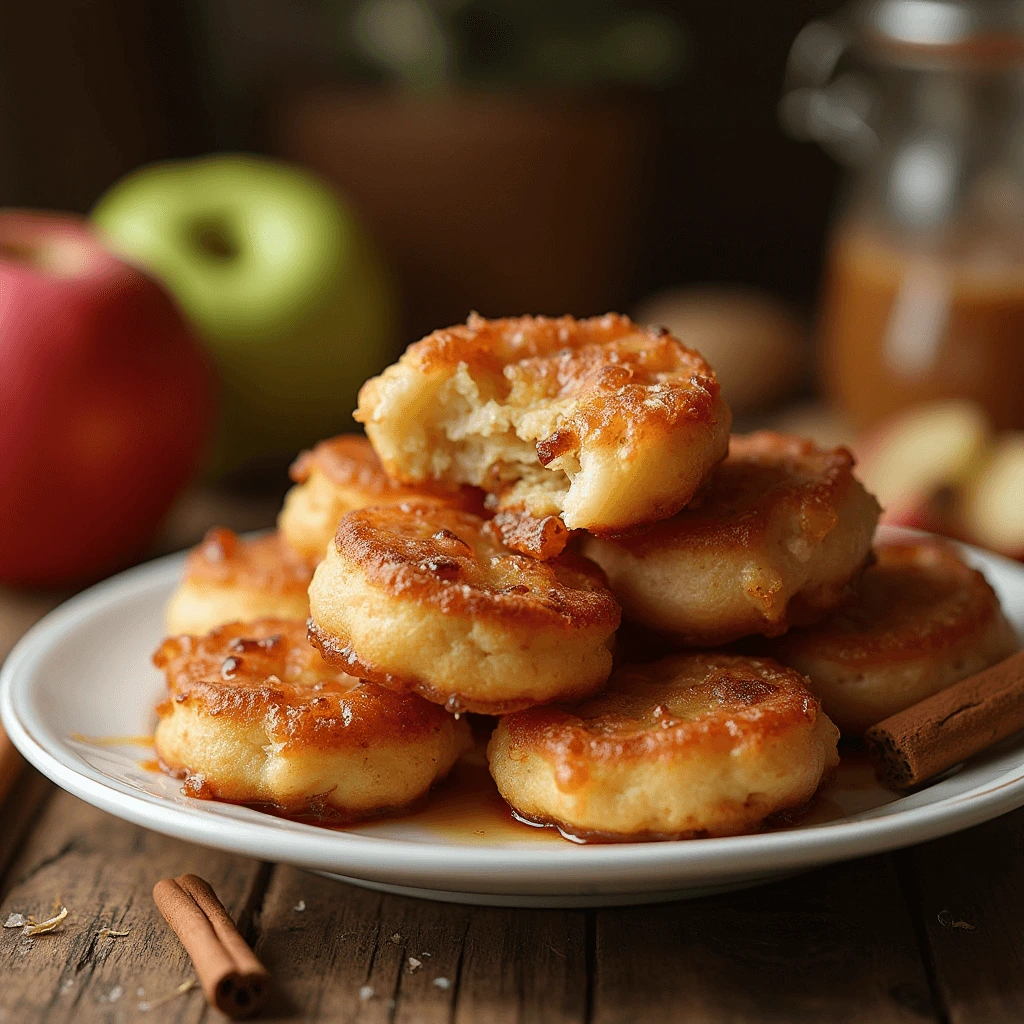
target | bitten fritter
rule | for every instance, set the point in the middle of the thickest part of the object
(341, 474)
(254, 715)
(690, 746)
(229, 578)
(425, 598)
(922, 620)
(599, 421)
(781, 533)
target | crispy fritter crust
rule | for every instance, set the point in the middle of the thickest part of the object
(779, 537)
(341, 474)
(229, 578)
(610, 425)
(692, 745)
(426, 598)
(922, 620)
(254, 715)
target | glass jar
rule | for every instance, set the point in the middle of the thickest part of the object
(923, 297)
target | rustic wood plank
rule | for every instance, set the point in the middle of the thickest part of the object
(523, 965)
(22, 791)
(348, 954)
(21, 812)
(969, 890)
(324, 942)
(103, 871)
(836, 945)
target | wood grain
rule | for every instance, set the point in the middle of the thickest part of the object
(969, 893)
(836, 945)
(475, 965)
(523, 965)
(11, 766)
(21, 811)
(103, 871)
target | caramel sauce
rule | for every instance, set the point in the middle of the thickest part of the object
(901, 326)
(466, 807)
(853, 789)
(113, 741)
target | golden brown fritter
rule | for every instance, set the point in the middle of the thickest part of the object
(922, 620)
(704, 744)
(255, 715)
(229, 578)
(604, 423)
(341, 474)
(426, 598)
(778, 537)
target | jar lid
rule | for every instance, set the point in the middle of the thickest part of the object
(974, 31)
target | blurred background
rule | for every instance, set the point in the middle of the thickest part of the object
(824, 198)
(662, 112)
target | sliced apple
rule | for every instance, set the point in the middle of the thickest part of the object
(993, 509)
(909, 461)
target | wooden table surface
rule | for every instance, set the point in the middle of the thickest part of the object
(933, 933)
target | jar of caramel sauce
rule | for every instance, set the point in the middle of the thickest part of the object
(923, 293)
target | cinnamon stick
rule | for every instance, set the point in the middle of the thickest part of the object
(11, 765)
(915, 745)
(232, 979)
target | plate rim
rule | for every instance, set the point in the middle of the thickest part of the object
(461, 866)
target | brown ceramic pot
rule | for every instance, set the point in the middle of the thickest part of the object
(497, 202)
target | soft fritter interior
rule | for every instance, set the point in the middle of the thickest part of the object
(484, 431)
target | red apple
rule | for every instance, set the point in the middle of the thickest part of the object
(912, 459)
(993, 507)
(105, 399)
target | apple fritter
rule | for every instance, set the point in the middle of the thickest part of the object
(341, 474)
(229, 578)
(922, 620)
(599, 421)
(426, 598)
(781, 534)
(703, 744)
(254, 715)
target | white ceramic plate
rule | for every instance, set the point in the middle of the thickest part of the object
(84, 670)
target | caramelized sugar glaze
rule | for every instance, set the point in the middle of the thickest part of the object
(424, 598)
(264, 673)
(258, 563)
(453, 561)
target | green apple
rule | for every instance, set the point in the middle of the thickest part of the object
(279, 280)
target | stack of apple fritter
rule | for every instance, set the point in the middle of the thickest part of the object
(526, 484)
